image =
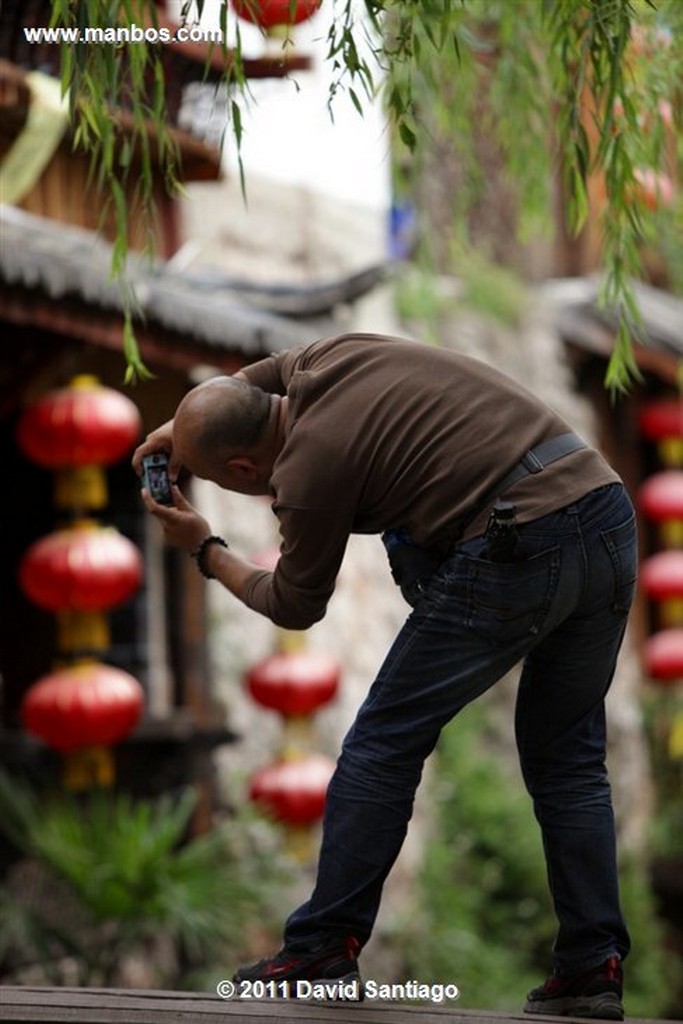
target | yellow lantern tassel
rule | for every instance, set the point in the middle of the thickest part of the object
(80, 488)
(297, 737)
(670, 451)
(672, 533)
(676, 738)
(89, 767)
(81, 631)
(299, 843)
(671, 613)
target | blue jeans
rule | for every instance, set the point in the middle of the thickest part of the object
(562, 611)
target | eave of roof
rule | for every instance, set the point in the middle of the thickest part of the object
(52, 273)
(583, 321)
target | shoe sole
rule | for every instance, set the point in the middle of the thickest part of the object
(605, 1006)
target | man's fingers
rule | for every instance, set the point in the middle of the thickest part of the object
(148, 501)
(180, 502)
(138, 455)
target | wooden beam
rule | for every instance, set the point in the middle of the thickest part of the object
(200, 162)
(212, 61)
(118, 1006)
(105, 329)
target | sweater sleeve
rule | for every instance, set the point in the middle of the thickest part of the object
(295, 595)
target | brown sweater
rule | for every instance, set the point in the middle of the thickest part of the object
(384, 433)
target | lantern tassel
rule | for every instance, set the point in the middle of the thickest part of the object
(81, 488)
(79, 632)
(89, 767)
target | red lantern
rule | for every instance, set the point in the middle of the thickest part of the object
(271, 13)
(293, 791)
(663, 655)
(87, 704)
(661, 499)
(662, 421)
(661, 575)
(81, 711)
(76, 430)
(84, 567)
(295, 684)
(661, 579)
(81, 425)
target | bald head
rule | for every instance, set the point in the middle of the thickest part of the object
(221, 417)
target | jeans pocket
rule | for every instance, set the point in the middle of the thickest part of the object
(622, 548)
(509, 601)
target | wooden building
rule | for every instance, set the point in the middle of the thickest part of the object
(61, 315)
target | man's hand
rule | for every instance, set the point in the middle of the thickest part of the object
(182, 524)
(159, 440)
(185, 528)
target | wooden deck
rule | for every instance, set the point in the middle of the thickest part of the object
(116, 1006)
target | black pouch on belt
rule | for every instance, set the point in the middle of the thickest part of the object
(411, 565)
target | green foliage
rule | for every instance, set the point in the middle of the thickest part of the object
(488, 287)
(419, 299)
(663, 719)
(128, 871)
(579, 86)
(481, 286)
(129, 151)
(100, 80)
(653, 976)
(540, 56)
(628, 87)
(482, 916)
(593, 52)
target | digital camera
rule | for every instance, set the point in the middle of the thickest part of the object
(156, 479)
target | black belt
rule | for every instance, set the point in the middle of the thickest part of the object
(533, 461)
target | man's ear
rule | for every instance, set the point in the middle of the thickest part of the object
(243, 466)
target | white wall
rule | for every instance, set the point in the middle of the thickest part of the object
(289, 135)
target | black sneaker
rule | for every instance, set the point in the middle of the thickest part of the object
(596, 994)
(334, 970)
